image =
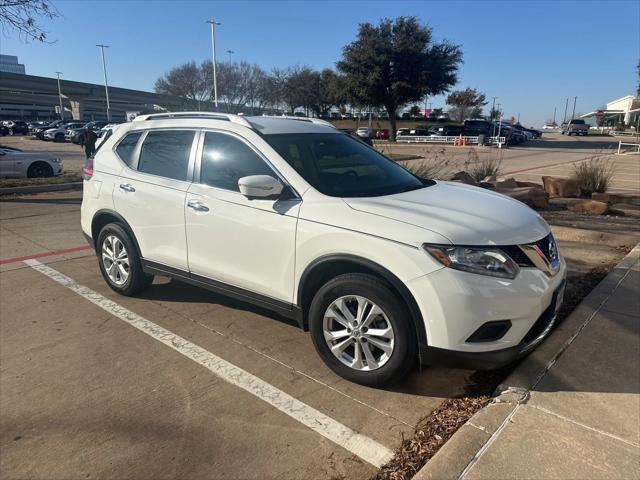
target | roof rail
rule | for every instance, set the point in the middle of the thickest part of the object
(210, 115)
(318, 121)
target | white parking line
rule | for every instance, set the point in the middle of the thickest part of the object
(364, 447)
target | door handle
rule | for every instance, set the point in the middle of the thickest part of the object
(126, 187)
(197, 205)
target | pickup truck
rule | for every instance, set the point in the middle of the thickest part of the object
(575, 127)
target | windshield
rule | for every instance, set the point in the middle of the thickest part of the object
(341, 166)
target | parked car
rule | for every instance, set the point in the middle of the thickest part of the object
(475, 127)
(300, 218)
(420, 132)
(74, 134)
(575, 127)
(403, 131)
(4, 130)
(346, 116)
(38, 132)
(449, 130)
(58, 134)
(20, 164)
(364, 132)
(16, 127)
(382, 134)
(549, 126)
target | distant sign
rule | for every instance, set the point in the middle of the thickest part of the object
(600, 114)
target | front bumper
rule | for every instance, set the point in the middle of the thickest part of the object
(456, 304)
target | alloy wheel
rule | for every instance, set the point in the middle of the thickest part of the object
(358, 333)
(115, 260)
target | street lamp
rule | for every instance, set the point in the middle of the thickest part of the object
(60, 96)
(106, 84)
(493, 111)
(213, 24)
(575, 99)
(230, 52)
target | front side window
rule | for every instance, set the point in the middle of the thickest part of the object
(338, 165)
(165, 153)
(126, 147)
(226, 159)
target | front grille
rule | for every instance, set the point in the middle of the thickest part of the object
(543, 245)
(517, 255)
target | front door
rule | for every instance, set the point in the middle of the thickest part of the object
(245, 243)
(151, 194)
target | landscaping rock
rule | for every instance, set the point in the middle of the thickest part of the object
(489, 179)
(464, 177)
(506, 183)
(529, 184)
(535, 197)
(616, 198)
(588, 207)
(560, 187)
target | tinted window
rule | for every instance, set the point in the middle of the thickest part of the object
(341, 166)
(577, 122)
(126, 146)
(166, 153)
(226, 159)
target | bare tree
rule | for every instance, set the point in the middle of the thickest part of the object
(466, 102)
(187, 81)
(22, 16)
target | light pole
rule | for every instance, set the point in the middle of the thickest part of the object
(566, 105)
(554, 115)
(106, 84)
(230, 52)
(493, 111)
(575, 99)
(60, 96)
(213, 24)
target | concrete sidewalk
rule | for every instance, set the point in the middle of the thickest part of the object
(572, 408)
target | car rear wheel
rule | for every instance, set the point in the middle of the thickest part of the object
(39, 169)
(362, 330)
(59, 137)
(119, 261)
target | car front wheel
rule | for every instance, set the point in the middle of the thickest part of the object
(362, 330)
(119, 261)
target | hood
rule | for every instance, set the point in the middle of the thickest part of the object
(464, 214)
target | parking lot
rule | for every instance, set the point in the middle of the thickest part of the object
(182, 382)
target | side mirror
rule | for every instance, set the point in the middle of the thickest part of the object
(260, 186)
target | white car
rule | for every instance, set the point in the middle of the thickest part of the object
(549, 126)
(364, 132)
(19, 164)
(384, 268)
(58, 134)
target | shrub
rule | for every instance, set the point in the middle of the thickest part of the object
(433, 165)
(594, 175)
(488, 166)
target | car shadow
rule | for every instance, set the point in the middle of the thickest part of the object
(44, 201)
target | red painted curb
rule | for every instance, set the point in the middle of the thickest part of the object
(45, 254)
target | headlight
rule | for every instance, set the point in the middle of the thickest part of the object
(481, 260)
(55, 160)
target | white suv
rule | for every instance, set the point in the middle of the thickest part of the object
(382, 267)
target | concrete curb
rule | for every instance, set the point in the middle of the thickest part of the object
(475, 436)
(53, 187)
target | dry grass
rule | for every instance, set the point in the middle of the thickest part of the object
(433, 165)
(27, 182)
(489, 165)
(595, 174)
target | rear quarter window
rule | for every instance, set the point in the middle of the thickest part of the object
(127, 146)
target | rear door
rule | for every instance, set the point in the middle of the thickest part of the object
(8, 166)
(150, 193)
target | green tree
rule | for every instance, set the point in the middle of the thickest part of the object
(494, 114)
(465, 102)
(415, 110)
(397, 62)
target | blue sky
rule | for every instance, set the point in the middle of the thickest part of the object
(532, 55)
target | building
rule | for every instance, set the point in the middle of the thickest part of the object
(625, 110)
(29, 97)
(9, 63)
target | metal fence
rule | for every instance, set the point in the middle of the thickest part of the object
(443, 139)
(635, 147)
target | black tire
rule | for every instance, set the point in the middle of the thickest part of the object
(137, 279)
(39, 169)
(59, 138)
(404, 353)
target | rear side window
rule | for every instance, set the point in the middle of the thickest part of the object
(577, 122)
(226, 159)
(165, 153)
(126, 147)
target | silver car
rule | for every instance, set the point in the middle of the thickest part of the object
(19, 164)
